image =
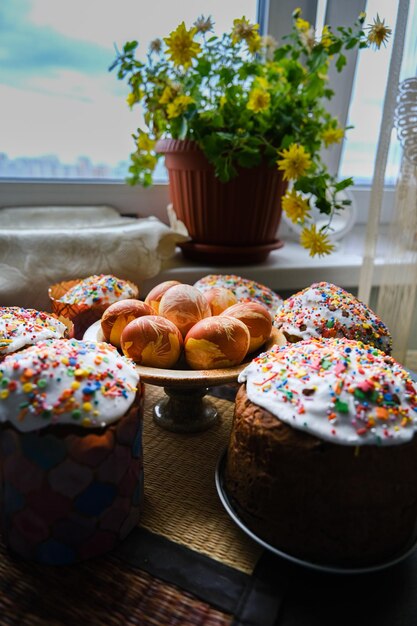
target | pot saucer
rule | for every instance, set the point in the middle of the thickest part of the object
(228, 255)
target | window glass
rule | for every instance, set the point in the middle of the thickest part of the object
(64, 115)
(366, 107)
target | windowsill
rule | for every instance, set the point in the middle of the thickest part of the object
(289, 268)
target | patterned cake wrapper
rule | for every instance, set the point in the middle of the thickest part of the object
(69, 494)
(81, 315)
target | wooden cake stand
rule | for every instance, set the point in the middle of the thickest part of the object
(184, 407)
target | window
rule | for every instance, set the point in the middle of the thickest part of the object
(64, 115)
(365, 110)
(58, 127)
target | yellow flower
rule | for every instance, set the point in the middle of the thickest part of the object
(178, 106)
(131, 99)
(222, 101)
(145, 143)
(378, 33)
(332, 135)
(315, 241)
(302, 25)
(254, 43)
(262, 82)
(326, 37)
(259, 100)
(295, 207)
(295, 161)
(244, 30)
(148, 161)
(181, 46)
(167, 95)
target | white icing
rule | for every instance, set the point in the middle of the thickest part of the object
(336, 389)
(66, 382)
(23, 327)
(324, 308)
(99, 289)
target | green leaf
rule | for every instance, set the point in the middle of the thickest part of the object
(203, 66)
(130, 46)
(224, 169)
(226, 74)
(351, 43)
(323, 205)
(183, 129)
(248, 158)
(341, 62)
(343, 184)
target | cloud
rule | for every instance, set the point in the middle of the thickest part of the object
(26, 48)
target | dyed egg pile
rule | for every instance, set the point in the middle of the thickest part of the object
(118, 316)
(178, 322)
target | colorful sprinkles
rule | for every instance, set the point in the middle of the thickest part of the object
(243, 288)
(23, 327)
(337, 389)
(325, 310)
(99, 289)
(66, 381)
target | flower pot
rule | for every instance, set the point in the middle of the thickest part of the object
(229, 223)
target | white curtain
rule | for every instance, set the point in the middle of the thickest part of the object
(397, 287)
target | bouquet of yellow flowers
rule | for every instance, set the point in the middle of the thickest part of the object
(245, 99)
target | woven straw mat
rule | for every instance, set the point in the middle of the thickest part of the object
(181, 500)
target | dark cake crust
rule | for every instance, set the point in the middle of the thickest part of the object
(324, 502)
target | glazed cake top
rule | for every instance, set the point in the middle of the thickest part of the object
(99, 289)
(325, 310)
(243, 288)
(61, 381)
(23, 327)
(339, 390)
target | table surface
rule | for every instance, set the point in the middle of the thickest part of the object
(189, 564)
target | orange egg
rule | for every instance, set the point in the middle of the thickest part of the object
(217, 341)
(154, 296)
(116, 317)
(256, 317)
(153, 341)
(184, 306)
(219, 299)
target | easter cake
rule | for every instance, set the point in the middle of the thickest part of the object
(326, 310)
(322, 458)
(71, 461)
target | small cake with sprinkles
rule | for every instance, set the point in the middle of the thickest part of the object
(325, 310)
(322, 458)
(84, 300)
(244, 289)
(71, 461)
(20, 328)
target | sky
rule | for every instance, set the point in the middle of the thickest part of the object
(57, 95)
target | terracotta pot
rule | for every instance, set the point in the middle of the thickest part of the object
(234, 222)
